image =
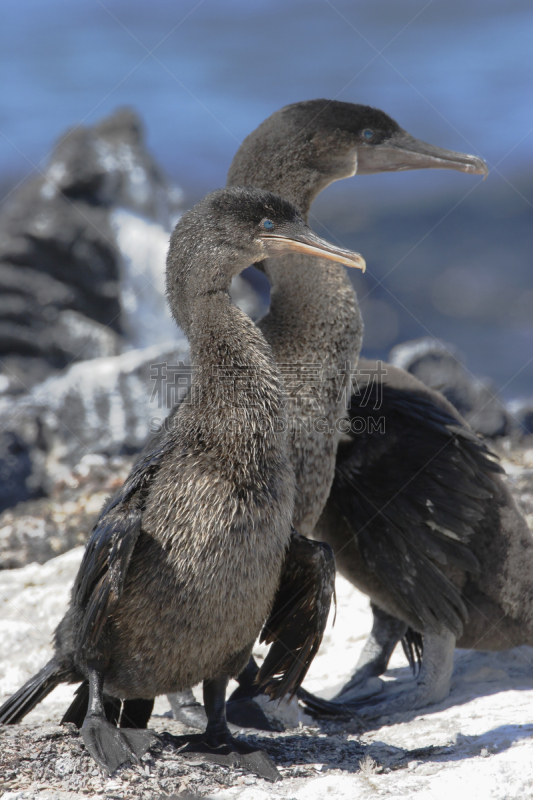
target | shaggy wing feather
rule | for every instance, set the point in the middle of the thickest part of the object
(412, 495)
(296, 624)
(104, 566)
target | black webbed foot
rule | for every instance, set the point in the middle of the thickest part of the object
(218, 745)
(112, 747)
(232, 753)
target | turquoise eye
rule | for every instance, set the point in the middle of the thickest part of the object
(268, 224)
(368, 134)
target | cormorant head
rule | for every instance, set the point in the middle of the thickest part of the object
(305, 146)
(229, 230)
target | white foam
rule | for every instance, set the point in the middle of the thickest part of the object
(143, 246)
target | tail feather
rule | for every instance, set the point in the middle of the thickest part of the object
(33, 691)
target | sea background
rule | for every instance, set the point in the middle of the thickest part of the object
(449, 255)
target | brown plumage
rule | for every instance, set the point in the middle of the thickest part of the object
(417, 515)
(471, 588)
(183, 565)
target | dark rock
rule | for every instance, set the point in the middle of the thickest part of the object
(66, 296)
(440, 366)
(19, 374)
(72, 246)
(37, 530)
(82, 258)
(16, 471)
(22, 460)
(106, 406)
(60, 267)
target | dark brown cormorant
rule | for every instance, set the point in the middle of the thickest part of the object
(182, 568)
(415, 513)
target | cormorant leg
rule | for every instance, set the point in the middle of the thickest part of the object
(218, 745)
(217, 732)
(77, 711)
(431, 686)
(241, 709)
(385, 634)
(109, 746)
(186, 709)
(246, 679)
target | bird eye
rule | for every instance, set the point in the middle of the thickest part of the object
(268, 224)
(368, 134)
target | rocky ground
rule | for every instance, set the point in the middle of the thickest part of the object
(38, 530)
(475, 744)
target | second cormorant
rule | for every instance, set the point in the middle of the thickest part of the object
(416, 512)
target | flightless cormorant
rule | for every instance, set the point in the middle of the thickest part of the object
(183, 566)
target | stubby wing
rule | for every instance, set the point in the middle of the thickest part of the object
(104, 566)
(296, 624)
(413, 490)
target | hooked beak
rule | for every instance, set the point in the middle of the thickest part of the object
(402, 151)
(276, 244)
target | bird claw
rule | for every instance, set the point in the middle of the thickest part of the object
(113, 747)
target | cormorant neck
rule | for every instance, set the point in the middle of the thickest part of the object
(298, 186)
(236, 390)
(311, 297)
(308, 294)
(223, 336)
(313, 309)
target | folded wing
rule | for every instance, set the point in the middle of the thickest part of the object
(298, 618)
(100, 580)
(413, 493)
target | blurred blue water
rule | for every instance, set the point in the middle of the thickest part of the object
(204, 73)
(455, 72)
